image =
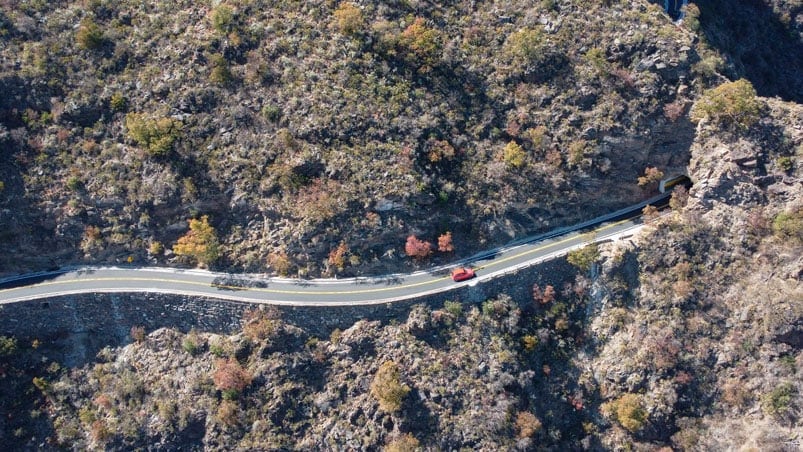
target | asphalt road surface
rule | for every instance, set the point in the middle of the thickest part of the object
(314, 292)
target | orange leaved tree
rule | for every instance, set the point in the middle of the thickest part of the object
(416, 248)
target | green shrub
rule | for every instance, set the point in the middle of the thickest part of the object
(785, 163)
(692, 18)
(453, 307)
(596, 58)
(577, 151)
(708, 66)
(191, 343)
(778, 401)
(156, 135)
(731, 103)
(584, 257)
(789, 225)
(89, 36)
(218, 350)
(271, 112)
(529, 342)
(628, 411)
(513, 155)
(548, 5)
(524, 46)
(41, 384)
(74, 183)
(222, 19)
(118, 102)
(8, 346)
(221, 72)
(388, 388)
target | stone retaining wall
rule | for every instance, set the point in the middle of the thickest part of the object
(83, 324)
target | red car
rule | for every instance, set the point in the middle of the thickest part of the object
(462, 274)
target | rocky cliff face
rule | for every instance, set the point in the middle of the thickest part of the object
(703, 319)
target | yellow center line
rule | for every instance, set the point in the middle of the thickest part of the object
(312, 292)
(542, 247)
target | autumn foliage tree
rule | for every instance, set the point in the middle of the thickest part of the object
(545, 296)
(445, 242)
(527, 424)
(421, 44)
(652, 175)
(337, 257)
(349, 19)
(416, 248)
(199, 243)
(261, 324)
(628, 410)
(650, 213)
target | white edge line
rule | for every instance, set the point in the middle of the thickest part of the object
(221, 296)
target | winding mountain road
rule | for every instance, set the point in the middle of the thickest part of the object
(322, 292)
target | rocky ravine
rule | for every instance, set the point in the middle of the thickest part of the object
(689, 339)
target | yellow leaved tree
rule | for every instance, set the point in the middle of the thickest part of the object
(200, 242)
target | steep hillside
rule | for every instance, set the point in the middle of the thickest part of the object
(487, 377)
(287, 130)
(689, 338)
(300, 126)
(699, 328)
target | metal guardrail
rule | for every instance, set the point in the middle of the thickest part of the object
(657, 200)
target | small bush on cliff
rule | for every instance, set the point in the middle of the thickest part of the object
(138, 333)
(349, 19)
(191, 343)
(8, 346)
(421, 44)
(652, 175)
(404, 443)
(777, 402)
(89, 36)
(445, 244)
(513, 155)
(230, 378)
(387, 388)
(156, 135)
(628, 411)
(221, 71)
(731, 103)
(584, 257)
(337, 257)
(222, 19)
(527, 424)
(789, 225)
(260, 324)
